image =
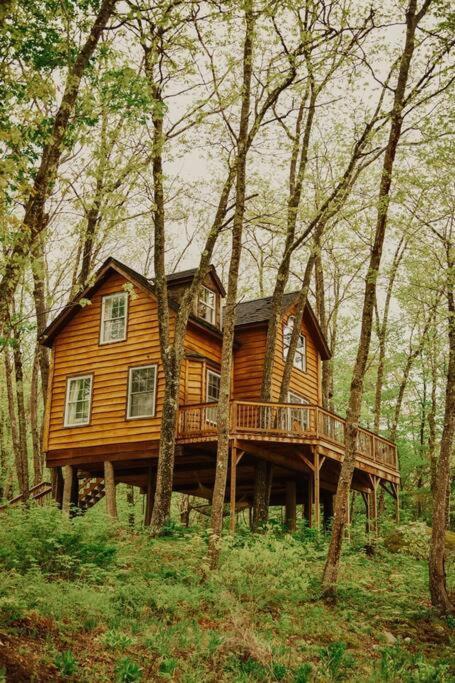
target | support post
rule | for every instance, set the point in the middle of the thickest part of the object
(291, 505)
(109, 485)
(317, 491)
(74, 503)
(397, 503)
(232, 489)
(150, 495)
(57, 485)
(372, 505)
(310, 501)
(67, 489)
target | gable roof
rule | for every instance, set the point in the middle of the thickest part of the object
(112, 264)
(185, 276)
(259, 311)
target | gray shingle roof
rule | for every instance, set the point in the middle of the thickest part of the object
(259, 310)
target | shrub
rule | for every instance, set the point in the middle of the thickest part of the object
(42, 538)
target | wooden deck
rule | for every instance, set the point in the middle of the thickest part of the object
(292, 424)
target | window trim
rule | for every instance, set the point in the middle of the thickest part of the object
(303, 401)
(211, 308)
(210, 417)
(210, 372)
(128, 394)
(103, 341)
(88, 375)
(304, 353)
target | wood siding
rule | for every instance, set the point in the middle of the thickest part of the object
(249, 361)
(77, 351)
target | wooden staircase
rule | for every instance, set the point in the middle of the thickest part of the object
(39, 493)
(91, 491)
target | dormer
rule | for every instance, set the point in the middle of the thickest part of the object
(211, 293)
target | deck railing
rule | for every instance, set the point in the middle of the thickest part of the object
(284, 420)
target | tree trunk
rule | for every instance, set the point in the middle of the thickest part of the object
(109, 485)
(322, 317)
(223, 410)
(356, 391)
(12, 412)
(438, 584)
(35, 219)
(38, 267)
(382, 329)
(34, 424)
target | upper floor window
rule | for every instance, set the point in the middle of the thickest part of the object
(114, 312)
(142, 391)
(300, 352)
(206, 304)
(78, 401)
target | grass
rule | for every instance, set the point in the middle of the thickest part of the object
(88, 601)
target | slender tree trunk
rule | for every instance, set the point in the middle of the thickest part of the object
(35, 218)
(38, 266)
(382, 330)
(34, 422)
(356, 391)
(223, 411)
(438, 584)
(432, 421)
(322, 316)
(21, 418)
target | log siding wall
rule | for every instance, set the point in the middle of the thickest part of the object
(77, 351)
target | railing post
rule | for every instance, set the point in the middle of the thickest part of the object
(373, 447)
(233, 428)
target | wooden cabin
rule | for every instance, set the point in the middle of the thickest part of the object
(106, 390)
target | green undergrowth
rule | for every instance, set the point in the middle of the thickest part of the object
(84, 600)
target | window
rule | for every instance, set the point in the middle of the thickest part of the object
(78, 401)
(212, 393)
(298, 418)
(300, 352)
(206, 305)
(114, 312)
(141, 391)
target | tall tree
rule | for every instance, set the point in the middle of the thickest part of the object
(413, 18)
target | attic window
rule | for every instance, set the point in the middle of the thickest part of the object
(206, 305)
(300, 352)
(114, 313)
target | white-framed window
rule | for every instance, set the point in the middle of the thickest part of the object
(141, 391)
(298, 417)
(114, 315)
(300, 352)
(78, 400)
(206, 304)
(212, 393)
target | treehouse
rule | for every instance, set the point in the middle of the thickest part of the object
(105, 398)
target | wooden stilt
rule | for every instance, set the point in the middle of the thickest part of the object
(317, 491)
(150, 495)
(109, 485)
(67, 489)
(57, 484)
(310, 516)
(397, 503)
(374, 506)
(233, 485)
(74, 503)
(291, 505)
